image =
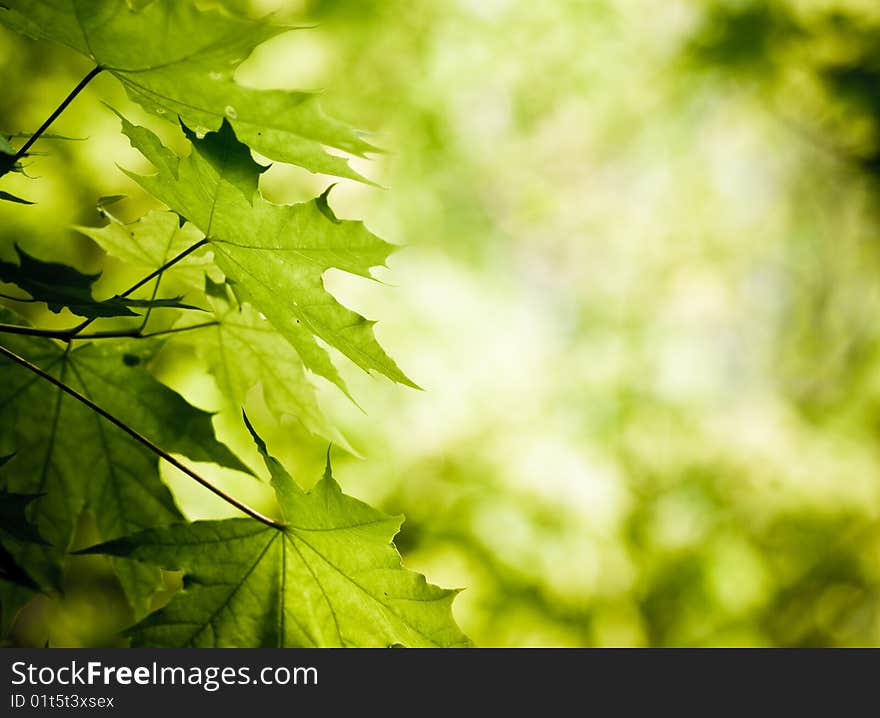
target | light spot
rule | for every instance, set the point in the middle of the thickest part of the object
(201, 132)
(231, 112)
(215, 75)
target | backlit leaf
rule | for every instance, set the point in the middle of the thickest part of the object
(275, 256)
(243, 350)
(79, 462)
(153, 240)
(178, 61)
(330, 577)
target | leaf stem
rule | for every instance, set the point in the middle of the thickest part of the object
(253, 513)
(175, 330)
(150, 307)
(58, 110)
(76, 332)
(64, 334)
(152, 275)
(67, 335)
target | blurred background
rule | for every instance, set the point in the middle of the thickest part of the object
(640, 289)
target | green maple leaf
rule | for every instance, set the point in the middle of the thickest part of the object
(243, 350)
(275, 256)
(178, 61)
(330, 577)
(60, 286)
(80, 462)
(151, 241)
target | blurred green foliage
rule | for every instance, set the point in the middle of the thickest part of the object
(641, 289)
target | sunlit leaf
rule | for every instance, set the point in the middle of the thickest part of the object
(243, 350)
(78, 462)
(274, 255)
(151, 241)
(178, 61)
(330, 577)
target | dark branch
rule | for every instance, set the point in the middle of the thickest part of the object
(173, 330)
(68, 334)
(253, 513)
(75, 332)
(54, 116)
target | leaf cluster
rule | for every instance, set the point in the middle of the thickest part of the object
(84, 422)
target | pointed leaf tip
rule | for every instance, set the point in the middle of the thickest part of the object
(328, 469)
(9, 197)
(261, 445)
(331, 577)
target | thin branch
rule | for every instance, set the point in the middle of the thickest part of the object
(173, 330)
(170, 263)
(76, 332)
(63, 334)
(150, 306)
(67, 335)
(58, 110)
(253, 513)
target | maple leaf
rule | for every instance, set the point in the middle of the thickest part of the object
(275, 256)
(60, 286)
(330, 574)
(176, 60)
(77, 461)
(330, 577)
(242, 350)
(151, 241)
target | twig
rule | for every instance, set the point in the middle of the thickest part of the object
(67, 334)
(253, 513)
(58, 110)
(75, 332)
(173, 330)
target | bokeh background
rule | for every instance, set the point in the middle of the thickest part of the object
(640, 289)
